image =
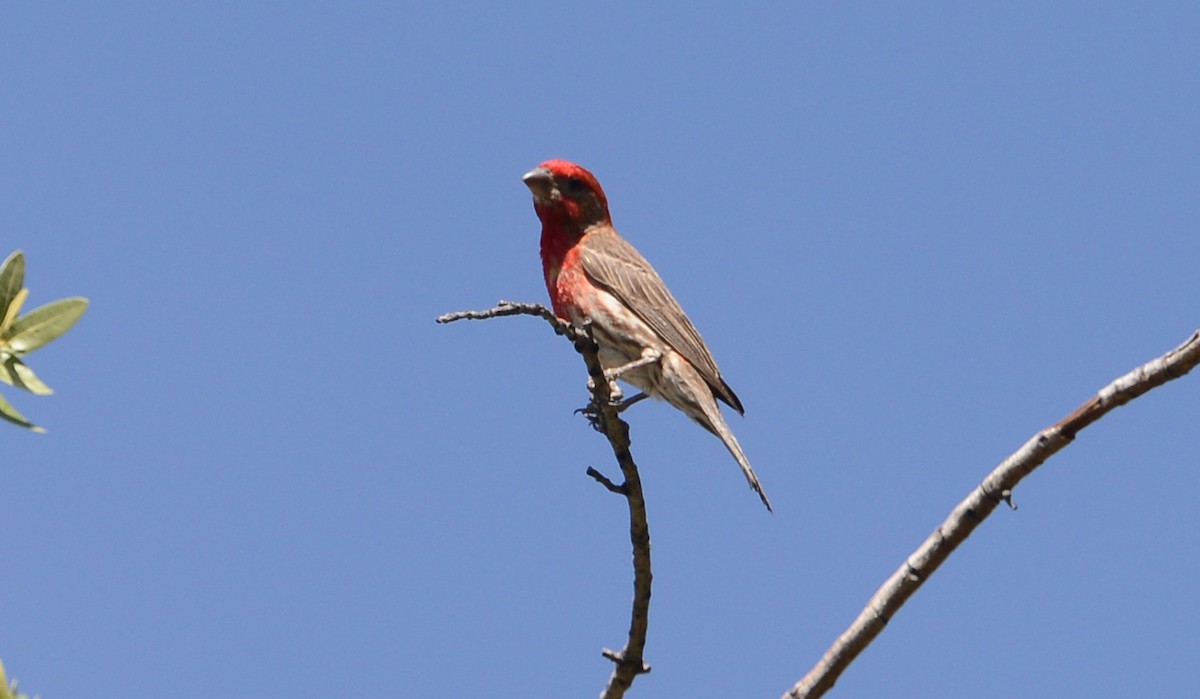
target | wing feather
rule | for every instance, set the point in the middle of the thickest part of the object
(616, 266)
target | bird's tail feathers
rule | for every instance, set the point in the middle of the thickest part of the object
(722, 430)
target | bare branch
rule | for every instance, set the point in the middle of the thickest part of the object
(969, 513)
(629, 661)
(509, 308)
(606, 418)
(604, 481)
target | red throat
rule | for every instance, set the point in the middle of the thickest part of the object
(555, 244)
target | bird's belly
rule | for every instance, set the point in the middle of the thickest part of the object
(623, 337)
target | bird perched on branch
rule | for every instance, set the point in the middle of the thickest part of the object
(645, 338)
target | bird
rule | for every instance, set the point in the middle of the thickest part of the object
(595, 278)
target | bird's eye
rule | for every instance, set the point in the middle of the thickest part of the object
(576, 186)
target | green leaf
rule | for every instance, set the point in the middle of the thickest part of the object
(10, 315)
(7, 690)
(23, 377)
(7, 412)
(45, 324)
(12, 278)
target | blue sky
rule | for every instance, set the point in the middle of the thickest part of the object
(912, 237)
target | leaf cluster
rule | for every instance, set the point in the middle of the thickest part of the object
(7, 690)
(22, 334)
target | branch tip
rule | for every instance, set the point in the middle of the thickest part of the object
(979, 504)
(604, 481)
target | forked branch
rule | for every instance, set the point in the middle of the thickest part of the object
(629, 661)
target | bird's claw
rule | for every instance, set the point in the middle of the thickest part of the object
(615, 394)
(593, 414)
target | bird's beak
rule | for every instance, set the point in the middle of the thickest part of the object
(540, 182)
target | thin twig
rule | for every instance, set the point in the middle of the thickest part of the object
(510, 308)
(604, 481)
(629, 661)
(969, 513)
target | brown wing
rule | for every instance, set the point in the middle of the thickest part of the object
(617, 267)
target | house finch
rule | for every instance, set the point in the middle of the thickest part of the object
(645, 338)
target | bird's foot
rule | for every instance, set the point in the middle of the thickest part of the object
(649, 356)
(628, 403)
(593, 414)
(615, 394)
